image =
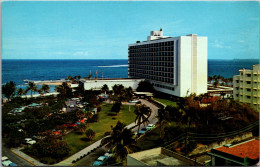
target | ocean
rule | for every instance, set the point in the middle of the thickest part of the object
(19, 70)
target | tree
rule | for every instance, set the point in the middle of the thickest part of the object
(105, 88)
(163, 117)
(20, 92)
(88, 115)
(32, 87)
(64, 90)
(145, 86)
(122, 141)
(45, 88)
(80, 114)
(129, 93)
(82, 127)
(90, 134)
(142, 113)
(116, 107)
(9, 89)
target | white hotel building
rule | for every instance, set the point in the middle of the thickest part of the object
(174, 65)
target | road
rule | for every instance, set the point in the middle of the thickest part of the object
(89, 159)
(14, 158)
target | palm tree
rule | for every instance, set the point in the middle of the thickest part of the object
(9, 89)
(142, 113)
(20, 92)
(122, 141)
(64, 90)
(105, 88)
(32, 87)
(163, 117)
(40, 92)
(45, 88)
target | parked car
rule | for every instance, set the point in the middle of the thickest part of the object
(72, 106)
(6, 162)
(80, 106)
(100, 161)
(133, 101)
(143, 130)
(13, 164)
(4, 158)
(150, 126)
(31, 142)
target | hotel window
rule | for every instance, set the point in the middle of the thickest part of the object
(249, 90)
(248, 97)
(248, 82)
(248, 75)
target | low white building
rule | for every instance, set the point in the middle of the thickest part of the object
(97, 84)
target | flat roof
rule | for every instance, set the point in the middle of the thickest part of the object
(248, 149)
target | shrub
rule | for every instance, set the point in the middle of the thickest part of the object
(90, 134)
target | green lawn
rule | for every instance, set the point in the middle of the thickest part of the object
(167, 102)
(77, 142)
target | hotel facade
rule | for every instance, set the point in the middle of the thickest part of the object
(246, 86)
(174, 65)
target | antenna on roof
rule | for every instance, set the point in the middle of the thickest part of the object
(160, 29)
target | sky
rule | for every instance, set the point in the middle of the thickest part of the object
(103, 30)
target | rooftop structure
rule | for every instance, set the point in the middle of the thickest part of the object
(246, 86)
(174, 65)
(246, 153)
(158, 157)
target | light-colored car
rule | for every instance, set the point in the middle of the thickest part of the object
(108, 154)
(150, 126)
(100, 161)
(6, 163)
(81, 106)
(31, 142)
(133, 101)
(4, 158)
(143, 130)
(72, 106)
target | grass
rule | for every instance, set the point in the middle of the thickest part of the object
(167, 102)
(77, 142)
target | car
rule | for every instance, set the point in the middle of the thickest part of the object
(80, 106)
(78, 102)
(13, 164)
(150, 126)
(4, 158)
(31, 142)
(6, 163)
(100, 161)
(109, 155)
(72, 106)
(143, 130)
(133, 101)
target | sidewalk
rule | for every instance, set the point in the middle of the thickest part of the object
(26, 157)
(68, 161)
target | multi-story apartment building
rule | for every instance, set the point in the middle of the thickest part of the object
(174, 65)
(246, 86)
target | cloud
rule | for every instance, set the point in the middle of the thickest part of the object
(80, 53)
(241, 41)
(221, 45)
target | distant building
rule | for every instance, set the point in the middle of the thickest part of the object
(246, 86)
(159, 157)
(97, 84)
(245, 154)
(174, 65)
